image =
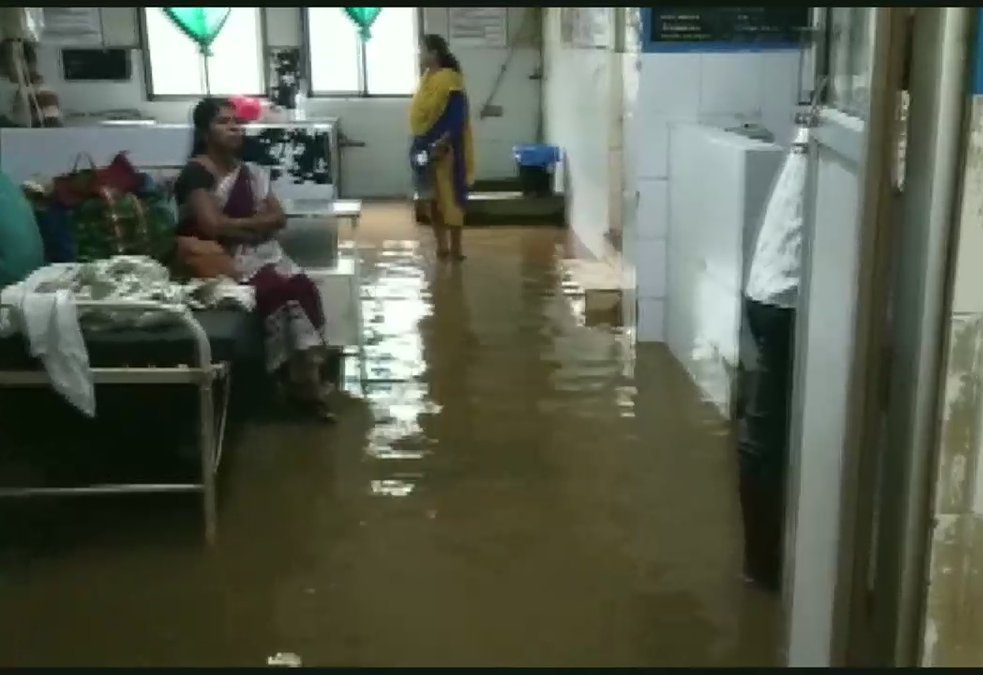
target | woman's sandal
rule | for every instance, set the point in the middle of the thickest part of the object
(316, 405)
(323, 412)
(316, 408)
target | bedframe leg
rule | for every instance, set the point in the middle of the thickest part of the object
(206, 443)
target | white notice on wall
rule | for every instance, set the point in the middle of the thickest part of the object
(587, 27)
(73, 26)
(597, 27)
(568, 20)
(478, 26)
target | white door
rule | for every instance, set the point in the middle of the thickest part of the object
(870, 334)
(837, 320)
(373, 148)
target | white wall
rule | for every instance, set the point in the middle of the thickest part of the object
(716, 89)
(577, 110)
(707, 247)
(378, 169)
(657, 91)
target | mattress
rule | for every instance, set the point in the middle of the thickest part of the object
(234, 335)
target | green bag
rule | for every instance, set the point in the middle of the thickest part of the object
(109, 225)
(161, 226)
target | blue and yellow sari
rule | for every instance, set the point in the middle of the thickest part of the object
(440, 112)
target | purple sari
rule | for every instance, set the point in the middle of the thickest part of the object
(287, 300)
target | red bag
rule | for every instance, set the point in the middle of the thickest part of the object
(120, 175)
(72, 189)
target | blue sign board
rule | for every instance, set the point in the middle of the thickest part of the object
(723, 29)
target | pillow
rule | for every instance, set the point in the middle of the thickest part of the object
(21, 249)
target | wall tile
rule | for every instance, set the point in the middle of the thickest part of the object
(652, 216)
(961, 409)
(731, 83)
(780, 93)
(954, 607)
(651, 320)
(652, 152)
(779, 78)
(670, 84)
(651, 268)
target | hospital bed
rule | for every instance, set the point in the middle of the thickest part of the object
(194, 348)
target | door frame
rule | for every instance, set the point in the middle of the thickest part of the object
(818, 609)
(889, 611)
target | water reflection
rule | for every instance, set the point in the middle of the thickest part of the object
(392, 487)
(510, 472)
(395, 298)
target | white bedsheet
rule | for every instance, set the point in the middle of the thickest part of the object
(49, 322)
(43, 309)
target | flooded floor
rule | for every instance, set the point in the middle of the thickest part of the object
(515, 488)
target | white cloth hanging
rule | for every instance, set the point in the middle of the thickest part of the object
(773, 278)
(49, 322)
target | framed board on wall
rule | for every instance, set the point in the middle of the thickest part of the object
(566, 25)
(478, 26)
(73, 26)
(723, 29)
(96, 65)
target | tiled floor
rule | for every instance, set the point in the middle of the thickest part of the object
(514, 488)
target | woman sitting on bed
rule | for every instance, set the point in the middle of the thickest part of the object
(222, 199)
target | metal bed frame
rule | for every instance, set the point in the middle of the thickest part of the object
(211, 426)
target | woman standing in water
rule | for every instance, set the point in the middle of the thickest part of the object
(226, 200)
(442, 153)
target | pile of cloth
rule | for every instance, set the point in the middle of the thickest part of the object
(43, 308)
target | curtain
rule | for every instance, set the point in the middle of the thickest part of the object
(363, 17)
(201, 24)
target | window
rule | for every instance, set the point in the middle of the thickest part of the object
(175, 67)
(850, 40)
(341, 63)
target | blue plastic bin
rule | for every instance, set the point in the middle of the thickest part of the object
(543, 156)
(536, 164)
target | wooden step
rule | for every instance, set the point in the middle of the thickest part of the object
(510, 184)
(600, 282)
(592, 275)
(506, 208)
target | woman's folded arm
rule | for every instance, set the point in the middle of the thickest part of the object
(215, 224)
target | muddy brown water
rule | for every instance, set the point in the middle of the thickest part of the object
(513, 487)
